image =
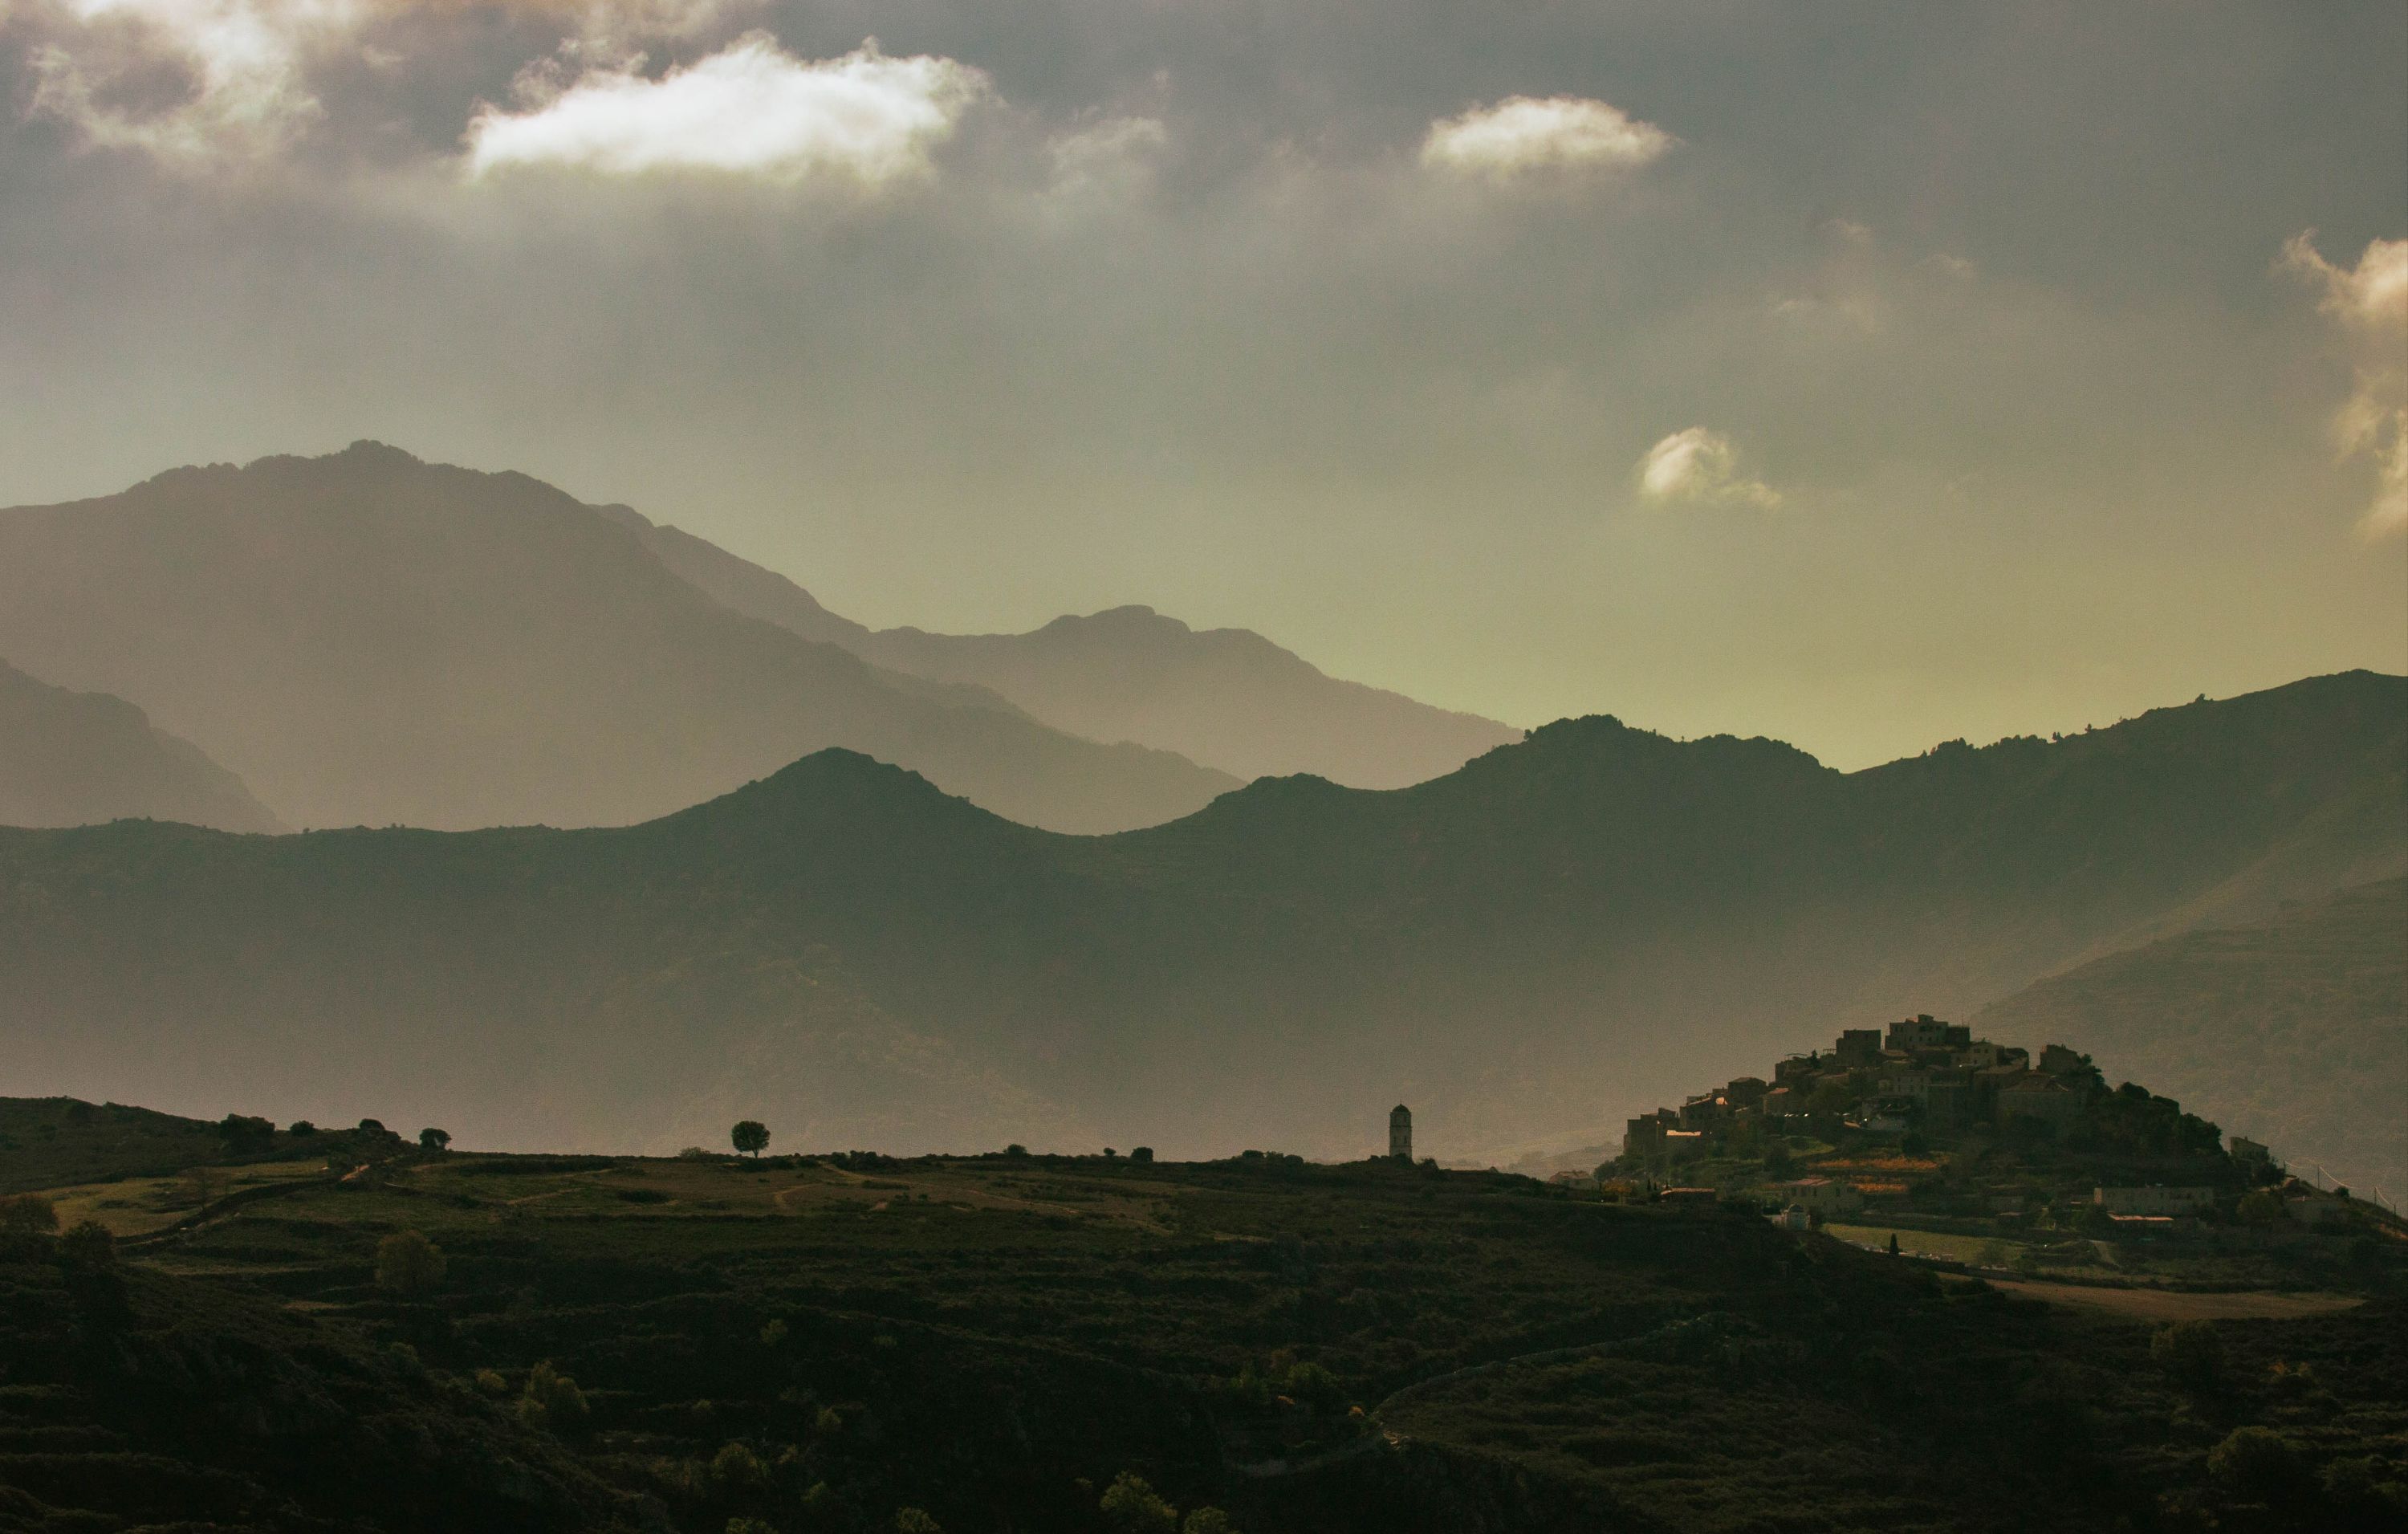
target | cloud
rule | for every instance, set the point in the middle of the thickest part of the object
(1111, 155)
(2370, 302)
(185, 80)
(1701, 465)
(751, 109)
(1526, 134)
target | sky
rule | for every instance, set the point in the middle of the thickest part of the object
(1863, 375)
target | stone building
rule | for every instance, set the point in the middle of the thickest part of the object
(1400, 1132)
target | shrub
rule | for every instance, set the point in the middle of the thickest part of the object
(88, 1244)
(1207, 1521)
(301, 1129)
(2256, 1464)
(2191, 1353)
(736, 1468)
(749, 1525)
(913, 1521)
(551, 1399)
(1142, 1152)
(490, 1381)
(773, 1334)
(28, 1214)
(408, 1264)
(1015, 1149)
(2262, 1208)
(1132, 1507)
(827, 1423)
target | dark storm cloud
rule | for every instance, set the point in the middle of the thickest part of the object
(2005, 420)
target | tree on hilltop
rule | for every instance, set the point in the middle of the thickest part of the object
(749, 1136)
(435, 1139)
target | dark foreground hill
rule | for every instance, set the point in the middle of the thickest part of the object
(1566, 930)
(80, 758)
(2294, 1030)
(800, 1347)
(1226, 697)
(368, 639)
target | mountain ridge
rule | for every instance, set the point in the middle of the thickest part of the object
(1560, 930)
(72, 758)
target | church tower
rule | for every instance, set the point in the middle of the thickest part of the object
(1400, 1133)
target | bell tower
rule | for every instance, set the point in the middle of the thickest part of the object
(1400, 1133)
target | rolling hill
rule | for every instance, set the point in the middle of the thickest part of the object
(2292, 1030)
(71, 758)
(1225, 696)
(1563, 931)
(367, 638)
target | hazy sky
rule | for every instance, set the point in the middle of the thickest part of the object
(1863, 375)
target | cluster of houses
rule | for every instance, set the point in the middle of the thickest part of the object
(1924, 1075)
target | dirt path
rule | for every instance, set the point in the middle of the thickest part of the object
(2175, 1305)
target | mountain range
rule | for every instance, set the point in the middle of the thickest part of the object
(365, 639)
(71, 758)
(1562, 931)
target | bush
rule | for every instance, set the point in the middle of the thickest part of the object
(1207, 1521)
(301, 1129)
(28, 1214)
(1142, 1152)
(2256, 1464)
(749, 1525)
(774, 1334)
(736, 1468)
(2191, 1353)
(1132, 1507)
(408, 1264)
(490, 1381)
(913, 1521)
(551, 1399)
(88, 1244)
(434, 1140)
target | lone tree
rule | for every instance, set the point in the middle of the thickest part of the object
(408, 1264)
(435, 1139)
(749, 1136)
(28, 1214)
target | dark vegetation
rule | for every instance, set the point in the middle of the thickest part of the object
(1595, 916)
(1086, 1345)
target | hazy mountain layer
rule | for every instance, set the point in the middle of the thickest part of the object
(1225, 696)
(370, 640)
(1561, 932)
(2293, 1031)
(80, 758)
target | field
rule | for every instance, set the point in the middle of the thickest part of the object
(817, 1345)
(2170, 1305)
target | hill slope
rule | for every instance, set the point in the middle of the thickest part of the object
(1225, 696)
(367, 640)
(1564, 931)
(79, 758)
(2293, 1031)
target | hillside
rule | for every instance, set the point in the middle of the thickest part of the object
(1564, 932)
(1226, 697)
(1365, 1349)
(80, 758)
(368, 639)
(2293, 1031)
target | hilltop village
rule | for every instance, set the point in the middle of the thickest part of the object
(1926, 1124)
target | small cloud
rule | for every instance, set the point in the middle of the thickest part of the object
(751, 109)
(1525, 134)
(1701, 465)
(1111, 155)
(2370, 302)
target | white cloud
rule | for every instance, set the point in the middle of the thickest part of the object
(1109, 155)
(752, 108)
(1698, 465)
(2370, 303)
(185, 80)
(1525, 134)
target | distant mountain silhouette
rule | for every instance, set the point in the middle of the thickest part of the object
(81, 758)
(2292, 1030)
(367, 638)
(1225, 696)
(1562, 931)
